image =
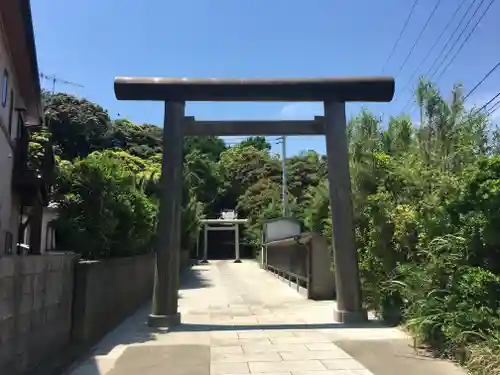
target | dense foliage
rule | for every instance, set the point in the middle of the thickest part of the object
(426, 201)
(427, 208)
(103, 211)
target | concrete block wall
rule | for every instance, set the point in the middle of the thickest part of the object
(306, 255)
(51, 303)
(106, 292)
(322, 279)
(289, 255)
(35, 309)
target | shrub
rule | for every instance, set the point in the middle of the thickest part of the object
(103, 213)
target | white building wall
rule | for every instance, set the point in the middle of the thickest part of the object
(6, 64)
(48, 234)
(48, 243)
(6, 154)
(9, 205)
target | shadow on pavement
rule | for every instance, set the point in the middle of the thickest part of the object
(188, 327)
(89, 367)
(161, 360)
(194, 279)
(388, 357)
(151, 360)
(133, 330)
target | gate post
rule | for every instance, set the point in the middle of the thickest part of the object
(237, 243)
(205, 244)
(166, 284)
(349, 307)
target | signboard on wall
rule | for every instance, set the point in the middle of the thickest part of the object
(281, 228)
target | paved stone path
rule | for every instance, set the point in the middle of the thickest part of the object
(239, 319)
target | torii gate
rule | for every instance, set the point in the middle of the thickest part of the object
(227, 224)
(227, 221)
(333, 92)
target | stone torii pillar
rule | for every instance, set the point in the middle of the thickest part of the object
(165, 302)
(333, 92)
(345, 258)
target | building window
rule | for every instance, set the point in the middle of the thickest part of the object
(11, 111)
(8, 243)
(5, 87)
(50, 239)
(20, 126)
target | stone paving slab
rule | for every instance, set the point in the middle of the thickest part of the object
(335, 353)
(391, 356)
(238, 319)
(246, 357)
(280, 366)
(333, 372)
(252, 348)
(153, 360)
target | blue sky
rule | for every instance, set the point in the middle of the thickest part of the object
(90, 42)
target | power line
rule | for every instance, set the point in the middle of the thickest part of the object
(461, 47)
(420, 35)
(466, 39)
(487, 103)
(438, 57)
(457, 39)
(481, 81)
(491, 110)
(433, 47)
(450, 38)
(494, 108)
(400, 34)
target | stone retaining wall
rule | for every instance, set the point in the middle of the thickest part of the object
(35, 309)
(53, 307)
(106, 292)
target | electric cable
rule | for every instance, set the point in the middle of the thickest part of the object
(434, 46)
(481, 81)
(401, 34)
(457, 39)
(466, 39)
(420, 35)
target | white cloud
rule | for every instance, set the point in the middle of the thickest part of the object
(301, 111)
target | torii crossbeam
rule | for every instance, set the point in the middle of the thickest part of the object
(333, 92)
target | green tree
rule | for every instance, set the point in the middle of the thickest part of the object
(304, 172)
(240, 168)
(260, 143)
(201, 176)
(102, 213)
(212, 147)
(259, 202)
(77, 126)
(140, 140)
